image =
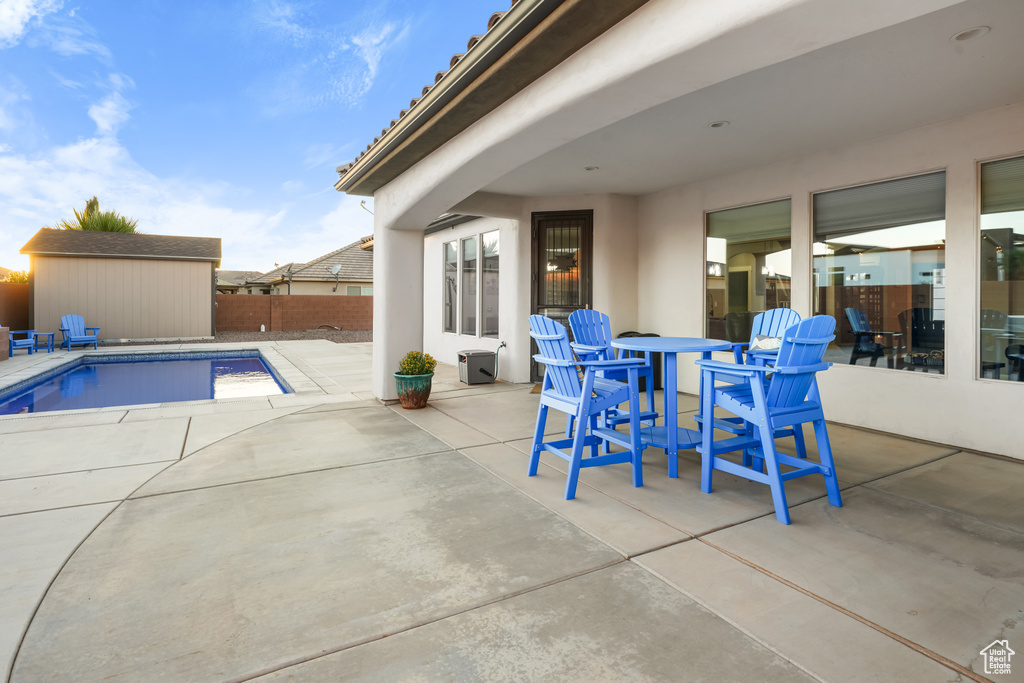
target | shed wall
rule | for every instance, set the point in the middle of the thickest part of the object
(125, 298)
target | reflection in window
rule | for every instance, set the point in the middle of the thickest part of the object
(879, 269)
(489, 284)
(749, 266)
(1002, 270)
(352, 290)
(451, 273)
(469, 285)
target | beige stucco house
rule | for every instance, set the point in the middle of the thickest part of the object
(683, 165)
(344, 272)
(131, 286)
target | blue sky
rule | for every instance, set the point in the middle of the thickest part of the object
(219, 119)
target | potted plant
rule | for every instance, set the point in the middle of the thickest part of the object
(413, 379)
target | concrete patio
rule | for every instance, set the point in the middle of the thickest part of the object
(323, 536)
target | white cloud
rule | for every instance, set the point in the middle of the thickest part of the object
(40, 190)
(370, 45)
(323, 64)
(71, 36)
(111, 112)
(15, 16)
(282, 18)
(10, 116)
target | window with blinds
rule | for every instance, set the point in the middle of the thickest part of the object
(879, 269)
(748, 266)
(1001, 318)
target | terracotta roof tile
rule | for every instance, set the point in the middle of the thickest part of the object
(356, 264)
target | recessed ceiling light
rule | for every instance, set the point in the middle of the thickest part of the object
(969, 34)
(591, 168)
(718, 124)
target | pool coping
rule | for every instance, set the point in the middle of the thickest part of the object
(285, 372)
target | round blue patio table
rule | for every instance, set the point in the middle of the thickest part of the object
(672, 437)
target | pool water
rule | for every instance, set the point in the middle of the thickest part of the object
(103, 382)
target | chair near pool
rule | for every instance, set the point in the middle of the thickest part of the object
(28, 343)
(75, 332)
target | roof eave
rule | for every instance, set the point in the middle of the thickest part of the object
(507, 59)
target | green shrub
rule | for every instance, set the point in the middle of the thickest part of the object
(417, 363)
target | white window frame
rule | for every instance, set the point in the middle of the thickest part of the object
(457, 303)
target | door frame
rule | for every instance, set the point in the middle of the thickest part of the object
(586, 275)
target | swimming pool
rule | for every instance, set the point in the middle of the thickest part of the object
(100, 381)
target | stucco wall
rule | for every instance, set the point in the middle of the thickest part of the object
(125, 298)
(445, 346)
(956, 408)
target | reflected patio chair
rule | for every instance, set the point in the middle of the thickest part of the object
(584, 399)
(993, 336)
(592, 332)
(865, 344)
(769, 403)
(925, 338)
(1015, 357)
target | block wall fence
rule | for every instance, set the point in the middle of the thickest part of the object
(14, 305)
(245, 313)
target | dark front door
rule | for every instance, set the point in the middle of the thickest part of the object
(562, 257)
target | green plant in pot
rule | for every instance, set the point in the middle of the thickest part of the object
(412, 380)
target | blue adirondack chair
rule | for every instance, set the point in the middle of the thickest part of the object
(768, 404)
(75, 332)
(593, 334)
(584, 399)
(771, 323)
(28, 343)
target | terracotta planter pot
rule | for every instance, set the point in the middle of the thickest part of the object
(413, 390)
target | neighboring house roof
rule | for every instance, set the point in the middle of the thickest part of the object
(274, 274)
(355, 261)
(4, 272)
(237, 277)
(519, 47)
(53, 242)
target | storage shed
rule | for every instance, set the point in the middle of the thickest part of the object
(131, 286)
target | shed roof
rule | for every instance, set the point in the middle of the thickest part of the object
(356, 265)
(53, 242)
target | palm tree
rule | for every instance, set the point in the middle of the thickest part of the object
(92, 218)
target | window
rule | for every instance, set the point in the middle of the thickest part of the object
(469, 285)
(749, 266)
(1001, 321)
(879, 270)
(352, 290)
(489, 284)
(461, 273)
(451, 274)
